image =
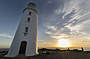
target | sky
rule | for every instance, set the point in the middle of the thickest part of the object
(58, 20)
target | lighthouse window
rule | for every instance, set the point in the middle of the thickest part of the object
(29, 13)
(26, 29)
(28, 20)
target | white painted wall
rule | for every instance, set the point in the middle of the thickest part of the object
(31, 38)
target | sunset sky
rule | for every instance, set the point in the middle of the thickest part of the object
(59, 21)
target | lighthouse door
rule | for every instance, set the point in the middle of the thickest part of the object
(23, 47)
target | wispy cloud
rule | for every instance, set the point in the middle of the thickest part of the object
(70, 20)
(6, 36)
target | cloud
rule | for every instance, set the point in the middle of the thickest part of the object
(69, 20)
(6, 36)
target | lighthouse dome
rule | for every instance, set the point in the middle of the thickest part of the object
(32, 5)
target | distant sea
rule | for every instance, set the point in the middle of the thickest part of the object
(4, 49)
(71, 48)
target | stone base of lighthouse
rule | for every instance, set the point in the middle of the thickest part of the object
(22, 48)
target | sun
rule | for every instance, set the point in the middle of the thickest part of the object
(63, 43)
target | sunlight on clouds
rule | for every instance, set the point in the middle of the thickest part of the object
(51, 27)
(63, 43)
(60, 36)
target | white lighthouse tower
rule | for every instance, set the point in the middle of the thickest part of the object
(25, 39)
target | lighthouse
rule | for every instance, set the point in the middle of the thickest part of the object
(25, 39)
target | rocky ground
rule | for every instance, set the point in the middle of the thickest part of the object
(57, 55)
